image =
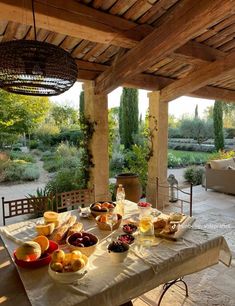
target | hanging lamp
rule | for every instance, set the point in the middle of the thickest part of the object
(31, 67)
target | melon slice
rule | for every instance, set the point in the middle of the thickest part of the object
(43, 242)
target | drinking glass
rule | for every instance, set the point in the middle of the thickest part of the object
(111, 221)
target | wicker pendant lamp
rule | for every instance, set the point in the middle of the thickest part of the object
(31, 67)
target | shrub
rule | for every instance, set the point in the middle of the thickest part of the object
(173, 161)
(15, 155)
(112, 188)
(194, 175)
(116, 163)
(137, 163)
(33, 144)
(223, 155)
(15, 170)
(30, 173)
(66, 180)
(66, 150)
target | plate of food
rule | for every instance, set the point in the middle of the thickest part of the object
(35, 253)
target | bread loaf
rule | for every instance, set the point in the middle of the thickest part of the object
(61, 232)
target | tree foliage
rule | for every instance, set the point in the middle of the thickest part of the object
(21, 114)
(64, 115)
(198, 129)
(81, 103)
(218, 125)
(113, 115)
(128, 116)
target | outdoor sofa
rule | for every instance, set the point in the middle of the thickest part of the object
(220, 175)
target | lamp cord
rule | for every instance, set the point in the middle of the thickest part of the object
(34, 22)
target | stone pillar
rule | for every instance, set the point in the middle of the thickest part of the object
(157, 165)
(96, 109)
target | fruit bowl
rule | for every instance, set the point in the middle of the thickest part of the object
(42, 261)
(118, 251)
(145, 208)
(86, 246)
(102, 208)
(105, 226)
(129, 228)
(126, 238)
(68, 277)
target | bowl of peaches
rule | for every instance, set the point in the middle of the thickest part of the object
(104, 224)
(67, 268)
(102, 208)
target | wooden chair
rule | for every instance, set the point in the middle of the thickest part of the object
(73, 199)
(182, 196)
(34, 205)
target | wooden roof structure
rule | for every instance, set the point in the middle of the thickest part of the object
(181, 47)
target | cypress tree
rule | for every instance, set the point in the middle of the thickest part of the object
(128, 116)
(120, 119)
(218, 125)
(196, 112)
(81, 103)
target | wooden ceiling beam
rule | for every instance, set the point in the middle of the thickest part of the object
(215, 93)
(90, 22)
(89, 71)
(76, 20)
(187, 21)
(199, 78)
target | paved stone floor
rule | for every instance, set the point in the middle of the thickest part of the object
(215, 285)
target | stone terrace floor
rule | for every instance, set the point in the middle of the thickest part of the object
(213, 286)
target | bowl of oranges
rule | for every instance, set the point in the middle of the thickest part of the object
(102, 208)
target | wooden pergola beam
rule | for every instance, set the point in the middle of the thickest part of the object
(96, 26)
(74, 19)
(186, 22)
(215, 93)
(89, 71)
(199, 78)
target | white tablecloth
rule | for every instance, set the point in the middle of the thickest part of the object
(110, 284)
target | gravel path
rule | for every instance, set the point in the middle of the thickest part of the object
(18, 190)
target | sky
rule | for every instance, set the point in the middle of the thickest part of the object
(181, 106)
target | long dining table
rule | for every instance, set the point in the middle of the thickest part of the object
(109, 284)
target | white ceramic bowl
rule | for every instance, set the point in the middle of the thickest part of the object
(118, 257)
(68, 277)
(87, 250)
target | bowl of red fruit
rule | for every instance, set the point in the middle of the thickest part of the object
(145, 208)
(129, 228)
(84, 242)
(126, 238)
(118, 251)
(102, 208)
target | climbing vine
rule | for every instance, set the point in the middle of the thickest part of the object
(150, 136)
(88, 128)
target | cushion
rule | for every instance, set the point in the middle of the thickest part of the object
(222, 163)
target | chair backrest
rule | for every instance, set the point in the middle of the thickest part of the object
(73, 199)
(24, 206)
(182, 195)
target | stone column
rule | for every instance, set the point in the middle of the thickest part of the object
(96, 109)
(157, 165)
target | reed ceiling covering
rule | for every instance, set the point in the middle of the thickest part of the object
(181, 47)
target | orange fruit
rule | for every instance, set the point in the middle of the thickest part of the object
(43, 242)
(103, 219)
